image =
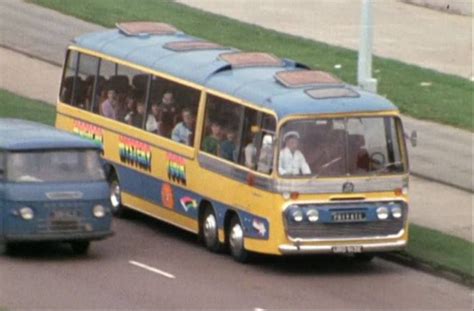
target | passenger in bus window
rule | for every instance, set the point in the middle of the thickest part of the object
(108, 106)
(250, 151)
(183, 132)
(292, 161)
(136, 118)
(152, 123)
(265, 160)
(130, 109)
(227, 147)
(211, 143)
(167, 114)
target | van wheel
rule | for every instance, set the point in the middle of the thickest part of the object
(80, 247)
(116, 196)
(209, 231)
(236, 241)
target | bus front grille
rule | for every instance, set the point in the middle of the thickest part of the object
(345, 230)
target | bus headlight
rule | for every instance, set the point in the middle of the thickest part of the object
(312, 215)
(396, 212)
(98, 211)
(27, 213)
(297, 215)
(382, 213)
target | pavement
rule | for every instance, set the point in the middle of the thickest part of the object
(444, 154)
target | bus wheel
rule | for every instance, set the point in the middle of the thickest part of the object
(210, 231)
(116, 196)
(236, 241)
(80, 247)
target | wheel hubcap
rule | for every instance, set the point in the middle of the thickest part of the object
(236, 239)
(210, 226)
(115, 195)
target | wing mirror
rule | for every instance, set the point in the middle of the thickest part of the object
(413, 138)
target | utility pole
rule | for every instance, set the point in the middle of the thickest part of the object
(364, 70)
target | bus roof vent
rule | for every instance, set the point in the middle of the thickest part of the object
(146, 28)
(301, 78)
(196, 45)
(251, 59)
(332, 92)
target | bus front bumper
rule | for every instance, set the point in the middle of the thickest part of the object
(289, 249)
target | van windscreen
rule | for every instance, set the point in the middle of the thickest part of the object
(54, 166)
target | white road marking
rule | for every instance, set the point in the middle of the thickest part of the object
(146, 267)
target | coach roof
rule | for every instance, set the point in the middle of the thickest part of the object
(19, 135)
(257, 83)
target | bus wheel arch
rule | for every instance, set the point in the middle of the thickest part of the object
(208, 227)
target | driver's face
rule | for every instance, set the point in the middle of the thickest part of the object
(292, 143)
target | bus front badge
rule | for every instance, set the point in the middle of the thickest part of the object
(348, 187)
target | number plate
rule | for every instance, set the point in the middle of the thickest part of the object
(347, 249)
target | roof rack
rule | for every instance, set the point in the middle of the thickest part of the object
(195, 45)
(251, 59)
(331, 92)
(301, 78)
(146, 28)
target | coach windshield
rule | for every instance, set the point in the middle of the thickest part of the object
(355, 146)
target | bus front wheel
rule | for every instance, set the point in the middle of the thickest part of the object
(236, 241)
(116, 196)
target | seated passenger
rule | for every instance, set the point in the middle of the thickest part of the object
(211, 142)
(292, 161)
(107, 107)
(227, 147)
(136, 118)
(152, 123)
(265, 160)
(183, 132)
(167, 114)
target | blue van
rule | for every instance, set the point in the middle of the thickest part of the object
(52, 187)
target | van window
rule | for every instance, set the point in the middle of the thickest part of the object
(54, 166)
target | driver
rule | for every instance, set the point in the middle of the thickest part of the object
(292, 161)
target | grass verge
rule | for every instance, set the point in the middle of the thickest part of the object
(447, 99)
(14, 106)
(441, 252)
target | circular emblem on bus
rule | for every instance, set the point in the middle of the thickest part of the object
(348, 187)
(167, 196)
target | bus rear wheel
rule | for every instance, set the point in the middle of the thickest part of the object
(236, 241)
(210, 232)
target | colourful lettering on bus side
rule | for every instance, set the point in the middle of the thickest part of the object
(135, 153)
(176, 168)
(89, 131)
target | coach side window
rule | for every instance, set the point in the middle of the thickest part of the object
(87, 75)
(70, 81)
(221, 128)
(172, 110)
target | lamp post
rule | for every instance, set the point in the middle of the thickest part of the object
(364, 69)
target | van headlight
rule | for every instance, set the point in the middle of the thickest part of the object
(27, 213)
(396, 212)
(312, 215)
(382, 213)
(98, 211)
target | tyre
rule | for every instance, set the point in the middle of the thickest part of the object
(236, 241)
(209, 231)
(80, 247)
(118, 209)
